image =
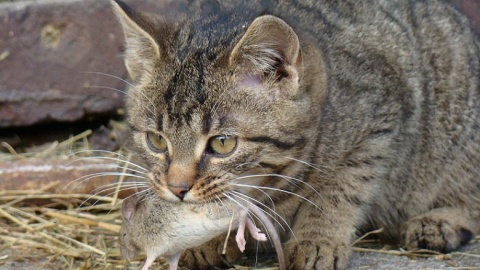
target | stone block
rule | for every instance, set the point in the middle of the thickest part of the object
(49, 53)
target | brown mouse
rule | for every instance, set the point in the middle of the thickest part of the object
(162, 228)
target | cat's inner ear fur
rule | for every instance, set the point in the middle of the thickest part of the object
(142, 50)
(268, 52)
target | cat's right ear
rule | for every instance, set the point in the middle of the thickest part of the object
(142, 48)
(269, 53)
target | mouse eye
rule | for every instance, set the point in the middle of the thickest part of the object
(221, 145)
(156, 142)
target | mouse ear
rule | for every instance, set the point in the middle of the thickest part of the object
(129, 206)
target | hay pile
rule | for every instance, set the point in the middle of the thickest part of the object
(41, 229)
(66, 232)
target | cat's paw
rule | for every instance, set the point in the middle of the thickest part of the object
(434, 232)
(316, 254)
(209, 255)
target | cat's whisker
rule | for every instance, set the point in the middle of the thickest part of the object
(89, 151)
(280, 190)
(111, 88)
(112, 186)
(106, 195)
(149, 194)
(113, 159)
(217, 205)
(88, 177)
(252, 216)
(84, 178)
(267, 213)
(118, 202)
(269, 198)
(290, 180)
(264, 193)
(223, 205)
(126, 94)
(129, 183)
(108, 192)
(93, 175)
(209, 203)
(285, 177)
(124, 169)
(123, 80)
(123, 188)
(146, 191)
(107, 75)
(249, 199)
(311, 165)
(121, 159)
(234, 201)
(123, 185)
(255, 164)
(126, 172)
(134, 194)
(243, 164)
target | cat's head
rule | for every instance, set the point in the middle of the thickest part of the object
(210, 107)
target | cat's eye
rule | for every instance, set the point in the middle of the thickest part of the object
(221, 145)
(156, 142)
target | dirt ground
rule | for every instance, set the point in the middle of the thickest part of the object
(467, 258)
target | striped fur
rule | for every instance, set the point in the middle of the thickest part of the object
(350, 115)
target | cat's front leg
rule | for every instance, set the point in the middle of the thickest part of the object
(323, 233)
(317, 253)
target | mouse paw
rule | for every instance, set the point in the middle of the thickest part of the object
(241, 242)
(260, 237)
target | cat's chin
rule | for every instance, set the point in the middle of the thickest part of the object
(169, 196)
(164, 194)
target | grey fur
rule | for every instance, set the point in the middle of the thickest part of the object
(382, 100)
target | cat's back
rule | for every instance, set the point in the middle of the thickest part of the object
(421, 56)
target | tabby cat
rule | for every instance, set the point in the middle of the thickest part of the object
(339, 115)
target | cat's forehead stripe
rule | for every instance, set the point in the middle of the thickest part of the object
(185, 93)
(207, 123)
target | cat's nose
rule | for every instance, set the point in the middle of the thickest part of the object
(179, 191)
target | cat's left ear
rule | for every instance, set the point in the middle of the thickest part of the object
(142, 48)
(269, 52)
